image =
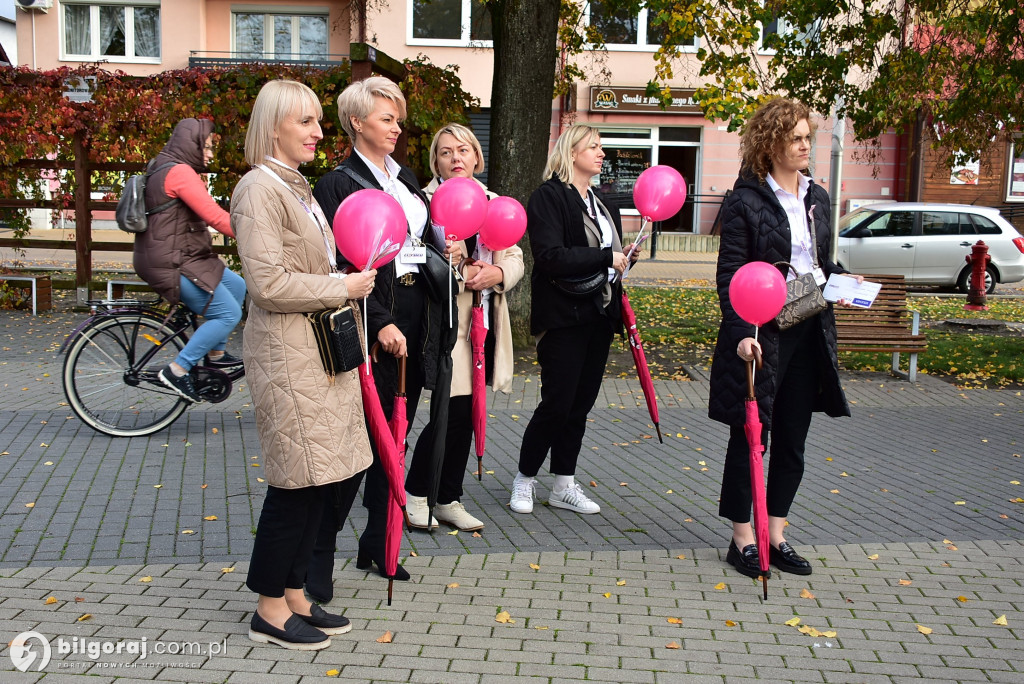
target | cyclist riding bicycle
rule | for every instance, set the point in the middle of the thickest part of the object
(175, 254)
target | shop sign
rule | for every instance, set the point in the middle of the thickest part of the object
(620, 99)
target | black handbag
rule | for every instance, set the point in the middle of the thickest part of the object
(581, 286)
(337, 339)
(439, 277)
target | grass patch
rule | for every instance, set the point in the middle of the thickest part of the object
(679, 327)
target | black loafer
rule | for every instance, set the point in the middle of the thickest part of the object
(747, 561)
(328, 623)
(297, 634)
(786, 559)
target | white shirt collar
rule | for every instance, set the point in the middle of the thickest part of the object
(803, 180)
(382, 178)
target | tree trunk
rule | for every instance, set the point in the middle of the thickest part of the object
(525, 57)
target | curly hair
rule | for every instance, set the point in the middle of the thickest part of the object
(766, 133)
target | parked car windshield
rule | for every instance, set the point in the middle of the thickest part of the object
(854, 219)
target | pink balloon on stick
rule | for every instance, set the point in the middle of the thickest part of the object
(459, 206)
(504, 224)
(364, 222)
(659, 193)
(757, 292)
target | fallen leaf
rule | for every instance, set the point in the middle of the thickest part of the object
(534, 566)
(843, 474)
(905, 582)
(215, 430)
(477, 534)
(1004, 516)
(50, 601)
(84, 617)
(681, 557)
(1014, 482)
(453, 585)
(607, 594)
(147, 579)
(962, 599)
(673, 645)
(332, 673)
(1001, 621)
(414, 554)
(834, 491)
(453, 533)
(504, 618)
(674, 621)
(883, 490)
(43, 444)
(720, 586)
(702, 463)
(593, 484)
(210, 517)
(385, 638)
(873, 556)
(157, 486)
(828, 458)
(623, 484)
(951, 547)
(687, 519)
(203, 486)
(809, 631)
(79, 599)
(188, 531)
(30, 504)
(923, 630)
(959, 503)
(621, 583)
(703, 470)
(48, 463)
(793, 622)
(260, 479)
(488, 472)
(227, 570)
(946, 541)
(255, 465)
(730, 623)
(806, 594)
(830, 634)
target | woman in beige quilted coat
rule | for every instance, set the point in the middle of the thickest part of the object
(310, 426)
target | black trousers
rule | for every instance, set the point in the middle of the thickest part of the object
(572, 362)
(410, 305)
(284, 539)
(797, 384)
(457, 443)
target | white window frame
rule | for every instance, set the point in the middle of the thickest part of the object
(465, 30)
(94, 25)
(653, 143)
(783, 28)
(1016, 152)
(269, 12)
(641, 44)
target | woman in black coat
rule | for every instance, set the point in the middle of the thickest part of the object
(400, 314)
(769, 217)
(573, 234)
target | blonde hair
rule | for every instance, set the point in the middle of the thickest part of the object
(358, 100)
(463, 135)
(276, 101)
(560, 159)
(766, 134)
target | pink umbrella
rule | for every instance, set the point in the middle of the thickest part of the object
(477, 336)
(640, 361)
(392, 457)
(752, 427)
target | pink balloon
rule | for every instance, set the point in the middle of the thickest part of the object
(504, 224)
(365, 220)
(659, 193)
(459, 206)
(757, 292)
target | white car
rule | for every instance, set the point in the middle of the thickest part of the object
(927, 243)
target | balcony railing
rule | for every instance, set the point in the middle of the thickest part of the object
(205, 59)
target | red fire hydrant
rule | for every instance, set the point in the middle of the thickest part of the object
(978, 259)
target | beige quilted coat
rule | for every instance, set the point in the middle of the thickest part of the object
(310, 429)
(511, 263)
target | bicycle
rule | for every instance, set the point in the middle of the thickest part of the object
(113, 358)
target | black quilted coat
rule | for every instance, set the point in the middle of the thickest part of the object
(438, 336)
(755, 227)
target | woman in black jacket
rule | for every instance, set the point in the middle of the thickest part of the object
(770, 217)
(574, 236)
(401, 317)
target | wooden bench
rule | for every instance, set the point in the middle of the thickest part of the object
(116, 289)
(42, 295)
(888, 326)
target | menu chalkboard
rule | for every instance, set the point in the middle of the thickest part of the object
(622, 166)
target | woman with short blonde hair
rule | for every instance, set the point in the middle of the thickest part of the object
(359, 99)
(282, 98)
(560, 161)
(462, 135)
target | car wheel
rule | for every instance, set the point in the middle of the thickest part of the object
(964, 282)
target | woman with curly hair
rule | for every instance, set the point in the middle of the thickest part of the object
(776, 213)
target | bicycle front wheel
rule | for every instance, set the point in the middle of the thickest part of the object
(110, 376)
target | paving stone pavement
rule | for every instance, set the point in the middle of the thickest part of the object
(908, 511)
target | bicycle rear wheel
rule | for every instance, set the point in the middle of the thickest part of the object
(110, 387)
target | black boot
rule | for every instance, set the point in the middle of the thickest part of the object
(371, 547)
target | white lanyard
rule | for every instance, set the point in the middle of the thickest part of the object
(315, 216)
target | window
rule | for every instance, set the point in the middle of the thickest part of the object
(891, 224)
(623, 31)
(773, 31)
(449, 22)
(280, 36)
(114, 31)
(986, 226)
(1015, 174)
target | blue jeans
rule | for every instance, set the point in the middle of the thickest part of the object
(221, 317)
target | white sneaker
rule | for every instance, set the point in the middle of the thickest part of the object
(455, 514)
(523, 491)
(573, 499)
(416, 507)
